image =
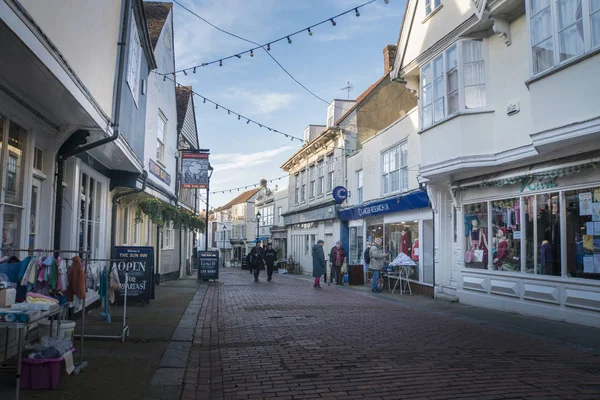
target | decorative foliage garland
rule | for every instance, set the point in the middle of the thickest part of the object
(161, 213)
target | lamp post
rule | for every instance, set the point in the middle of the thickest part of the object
(210, 172)
(257, 226)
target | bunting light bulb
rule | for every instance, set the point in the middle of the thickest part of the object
(164, 78)
(248, 121)
(251, 53)
(204, 99)
(220, 63)
(309, 32)
(238, 56)
(333, 22)
(185, 73)
(357, 13)
(216, 106)
(194, 69)
(289, 40)
(269, 46)
(238, 117)
(386, 1)
(228, 112)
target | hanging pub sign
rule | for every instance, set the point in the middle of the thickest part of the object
(208, 265)
(138, 264)
(194, 170)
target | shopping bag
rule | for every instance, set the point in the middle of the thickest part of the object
(469, 255)
(344, 268)
(478, 256)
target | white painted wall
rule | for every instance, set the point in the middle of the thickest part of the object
(86, 33)
(425, 34)
(161, 96)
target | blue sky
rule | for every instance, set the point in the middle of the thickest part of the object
(242, 154)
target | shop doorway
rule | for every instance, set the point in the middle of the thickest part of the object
(34, 224)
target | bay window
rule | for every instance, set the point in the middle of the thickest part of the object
(394, 169)
(453, 81)
(561, 30)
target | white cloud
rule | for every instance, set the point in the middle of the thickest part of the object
(255, 103)
(234, 161)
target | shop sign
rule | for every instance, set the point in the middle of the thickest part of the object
(208, 265)
(194, 170)
(159, 172)
(530, 184)
(138, 264)
(340, 194)
(406, 202)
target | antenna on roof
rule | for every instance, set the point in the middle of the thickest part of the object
(349, 87)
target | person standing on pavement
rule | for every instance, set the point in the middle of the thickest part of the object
(377, 258)
(337, 256)
(270, 257)
(257, 261)
(318, 256)
(366, 261)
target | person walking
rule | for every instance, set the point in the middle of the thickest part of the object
(257, 261)
(270, 258)
(318, 256)
(337, 256)
(377, 257)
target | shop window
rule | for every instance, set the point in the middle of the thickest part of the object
(306, 244)
(506, 246)
(583, 233)
(543, 234)
(425, 250)
(403, 237)
(476, 236)
(374, 231)
(357, 246)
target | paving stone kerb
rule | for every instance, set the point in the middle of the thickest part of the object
(286, 340)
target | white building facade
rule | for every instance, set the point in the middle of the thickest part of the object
(509, 130)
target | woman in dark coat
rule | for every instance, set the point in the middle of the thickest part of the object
(318, 256)
(257, 261)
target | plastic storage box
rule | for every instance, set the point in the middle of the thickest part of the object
(41, 373)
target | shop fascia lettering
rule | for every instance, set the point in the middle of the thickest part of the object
(530, 185)
(378, 208)
(131, 266)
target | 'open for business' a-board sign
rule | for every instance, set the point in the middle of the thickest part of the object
(138, 264)
(208, 267)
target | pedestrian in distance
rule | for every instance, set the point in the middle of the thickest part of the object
(318, 256)
(366, 261)
(337, 257)
(377, 260)
(270, 258)
(257, 261)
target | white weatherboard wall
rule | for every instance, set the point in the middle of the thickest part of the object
(86, 33)
(161, 96)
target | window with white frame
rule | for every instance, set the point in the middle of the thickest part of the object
(313, 183)
(431, 6)
(303, 185)
(297, 191)
(359, 187)
(321, 183)
(160, 137)
(135, 60)
(91, 195)
(395, 169)
(330, 169)
(280, 216)
(453, 81)
(168, 236)
(561, 30)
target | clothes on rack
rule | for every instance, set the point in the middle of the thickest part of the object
(76, 279)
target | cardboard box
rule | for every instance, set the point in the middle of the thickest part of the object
(7, 297)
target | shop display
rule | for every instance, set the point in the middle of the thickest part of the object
(476, 254)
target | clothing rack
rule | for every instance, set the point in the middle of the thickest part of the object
(84, 260)
(125, 329)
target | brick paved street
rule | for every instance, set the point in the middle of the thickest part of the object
(285, 340)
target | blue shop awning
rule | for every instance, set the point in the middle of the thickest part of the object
(409, 201)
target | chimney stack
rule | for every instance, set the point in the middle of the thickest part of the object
(389, 56)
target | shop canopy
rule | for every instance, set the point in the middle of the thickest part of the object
(399, 203)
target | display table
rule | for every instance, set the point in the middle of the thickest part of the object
(21, 328)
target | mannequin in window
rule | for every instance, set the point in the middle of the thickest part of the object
(477, 239)
(547, 258)
(406, 241)
(502, 248)
(414, 254)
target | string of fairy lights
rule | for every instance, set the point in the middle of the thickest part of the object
(267, 46)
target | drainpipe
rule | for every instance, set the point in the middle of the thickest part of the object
(177, 178)
(61, 156)
(115, 200)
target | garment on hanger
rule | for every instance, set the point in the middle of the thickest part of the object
(76, 279)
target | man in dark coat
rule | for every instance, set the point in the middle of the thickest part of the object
(257, 261)
(337, 257)
(270, 258)
(318, 256)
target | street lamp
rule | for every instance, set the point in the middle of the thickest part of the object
(210, 172)
(257, 226)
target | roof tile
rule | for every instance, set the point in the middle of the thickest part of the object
(156, 15)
